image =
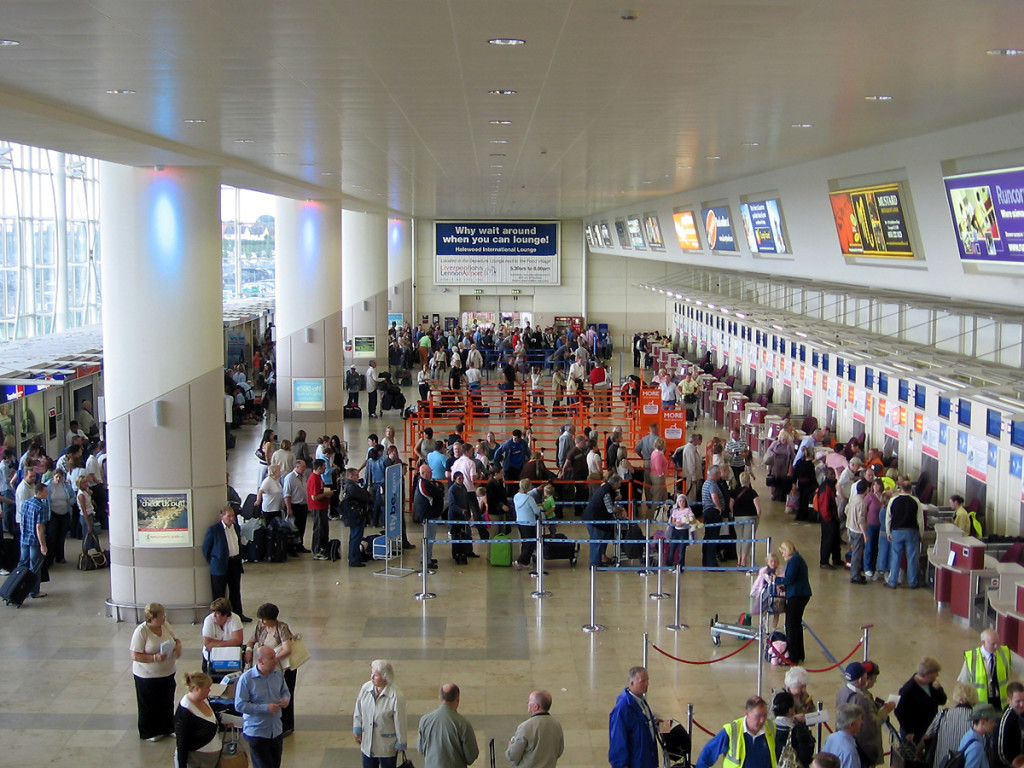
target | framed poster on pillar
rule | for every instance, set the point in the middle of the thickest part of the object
(162, 518)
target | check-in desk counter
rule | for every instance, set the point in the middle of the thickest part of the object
(1006, 606)
(770, 430)
(706, 382)
(734, 407)
(753, 420)
(963, 577)
(719, 398)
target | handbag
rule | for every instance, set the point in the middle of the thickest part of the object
(769, 480)
(406, 762)
(299, 655)
(232, 753)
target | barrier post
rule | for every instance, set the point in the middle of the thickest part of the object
(659, 592)
(540, 591)
(677, 625)
(821, 706)
(689, 721)
(866, 639)
(593, 626)
(423, 594)
(647, 548)
(643, 660)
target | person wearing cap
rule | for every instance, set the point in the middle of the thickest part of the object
(920, 699)
(353, 381)
(843, 743)
(984, 718)
(748, 742)
(989, 668)
(859, 679)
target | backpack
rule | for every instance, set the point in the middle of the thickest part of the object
(955, 758)
(821, 506)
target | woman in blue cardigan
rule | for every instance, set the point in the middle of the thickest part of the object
(798, 594)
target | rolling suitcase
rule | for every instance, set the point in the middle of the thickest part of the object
(256, 550)
(557, 547)
(501, 551)
(248, 510)
(334, 550)
(633, 546)
(352, 412)
(18, 585)
(277, 546)
(10, 553)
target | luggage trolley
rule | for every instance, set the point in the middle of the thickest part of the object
(762, 606)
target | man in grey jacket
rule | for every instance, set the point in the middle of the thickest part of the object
(538, 741)
(446, 739)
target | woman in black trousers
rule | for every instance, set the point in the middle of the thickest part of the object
(798, 594)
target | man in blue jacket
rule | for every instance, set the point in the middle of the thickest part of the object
(222, 549)
(632, 727)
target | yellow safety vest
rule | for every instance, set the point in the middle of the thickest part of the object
(737, 751)
(979, 673)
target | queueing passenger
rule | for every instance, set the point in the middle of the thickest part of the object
(747, 742)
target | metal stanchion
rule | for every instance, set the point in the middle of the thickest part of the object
(821, 706)
(593, 626)
(423, 594)
(643, 662)
(540, 591)
(647, 548)
(866, 639)
(677, 625)
(689, 721)
(659, 592)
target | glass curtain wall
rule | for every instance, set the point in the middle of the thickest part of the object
(49, 249)
(248, 242)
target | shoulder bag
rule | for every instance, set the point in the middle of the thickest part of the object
(299, 655)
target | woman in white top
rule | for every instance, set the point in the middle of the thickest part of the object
(196, 727)
(378, 720)
(423, 382)
(595, 473)
(270, 496)
(221, 629)
(154, 649)
(389, 437)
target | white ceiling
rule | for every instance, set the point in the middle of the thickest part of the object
(391, 98)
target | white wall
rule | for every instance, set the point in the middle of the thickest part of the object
(804, 191)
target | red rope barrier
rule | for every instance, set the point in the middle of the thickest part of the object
(833, 666)
(710, 661)
(709, 733)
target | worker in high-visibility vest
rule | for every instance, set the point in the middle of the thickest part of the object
(748, 742)
(989, 668)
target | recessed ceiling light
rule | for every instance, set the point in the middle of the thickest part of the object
(499, 141)
(878, 97)
(245, 141)
(685, 167)
(121, 92)
(310, 165)
(712, 157)
(497, 166)
(326, 173)
(9, 43)
(500, 122)
(503, 92)
(646, 182)
(497, 154)
(1005, 52)
(279, 154)
(194, 120)
(802, 125)
(751, 144)
(506, 41)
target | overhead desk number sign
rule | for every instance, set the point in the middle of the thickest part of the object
(496, 253)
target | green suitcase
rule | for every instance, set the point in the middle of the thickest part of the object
(501, 551)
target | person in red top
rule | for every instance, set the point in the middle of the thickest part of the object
(826, 506)
(601, 386)
(318, 498)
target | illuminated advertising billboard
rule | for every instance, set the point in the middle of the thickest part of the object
(686, 230)
(762, 223)
(870, 222)
(718, 228)
(988, 215)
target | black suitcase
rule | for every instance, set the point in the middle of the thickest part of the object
(277, 546)
(334, 550)
(634, 549)
(352, 412)
(18, 585)
(557, 547)
(726, 552)
(256, 549)
(10, 553)
(248, 510)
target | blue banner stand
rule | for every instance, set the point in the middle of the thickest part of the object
(389, 546)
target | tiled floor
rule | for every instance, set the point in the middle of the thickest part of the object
(67, 698)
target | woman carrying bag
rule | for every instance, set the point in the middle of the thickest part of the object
(378, 720)
(277, 635)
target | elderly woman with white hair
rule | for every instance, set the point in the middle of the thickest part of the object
(378, 721)
(796, 684)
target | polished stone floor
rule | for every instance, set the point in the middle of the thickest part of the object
(67, 698)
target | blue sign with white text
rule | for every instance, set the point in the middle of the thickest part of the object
(718, 229)
(308, 395)
(393, 501)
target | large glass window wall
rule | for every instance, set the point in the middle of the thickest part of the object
(248, 243)
(49, 241)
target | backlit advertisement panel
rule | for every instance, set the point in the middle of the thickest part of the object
(653, 229)
(686, 230)
(636, 237)
(870, 222)
(988, 215)
(718, 229)
(762, 223)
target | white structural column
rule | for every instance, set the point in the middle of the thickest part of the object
(310, 369)
(400, 269)
(364, 268)
(163, 357)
